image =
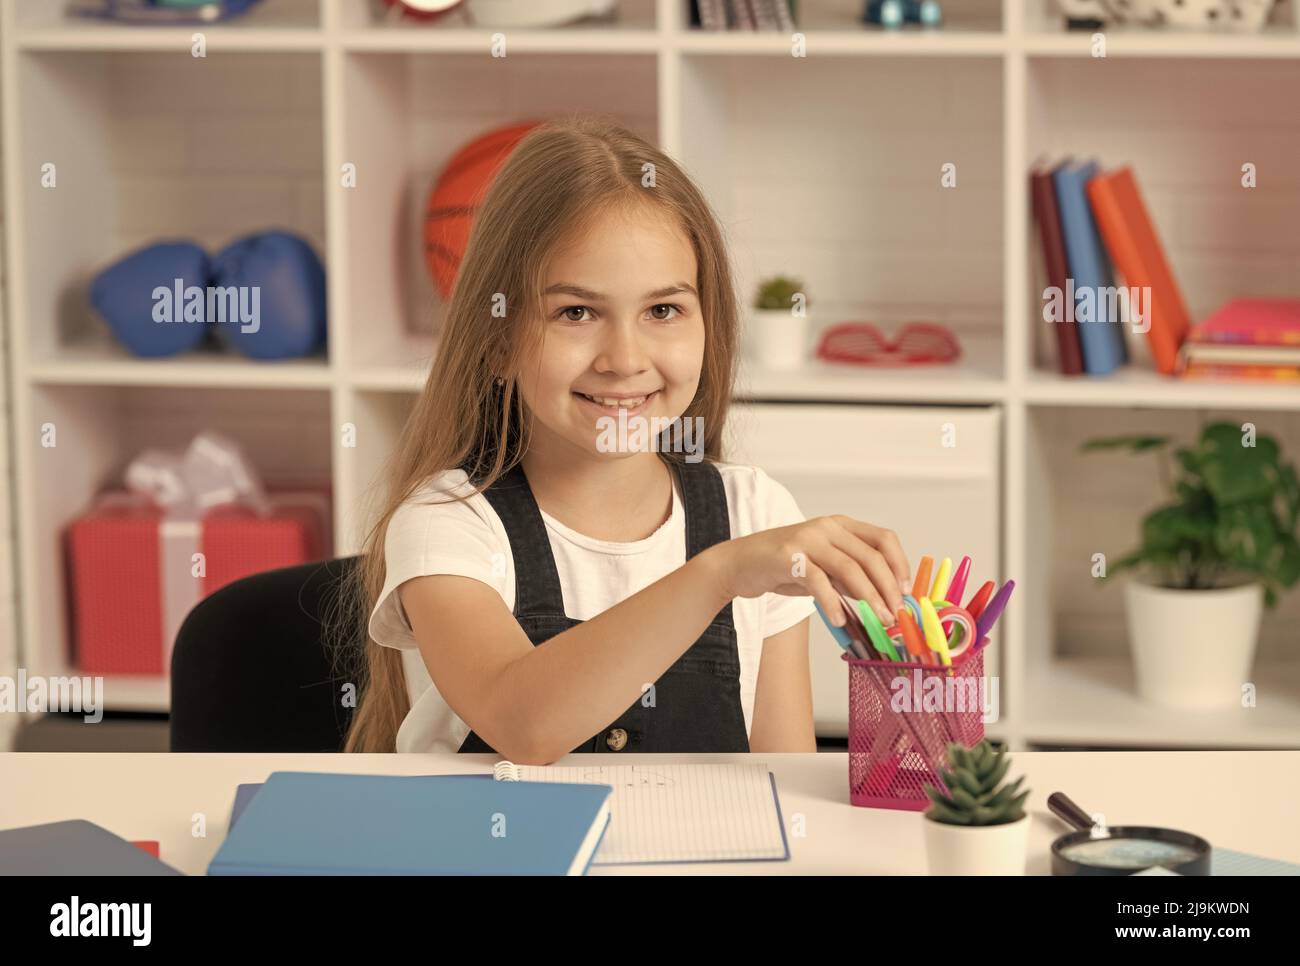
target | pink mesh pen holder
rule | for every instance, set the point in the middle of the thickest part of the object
(900, 724)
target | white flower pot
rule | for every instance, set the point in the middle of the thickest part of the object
(976, 849)
(1193, 649)
(777, 338)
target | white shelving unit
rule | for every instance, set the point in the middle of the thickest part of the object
(827, 166)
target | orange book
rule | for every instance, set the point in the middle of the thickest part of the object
(1137, 253)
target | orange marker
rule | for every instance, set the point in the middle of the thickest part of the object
(912, 636)
(921, 585)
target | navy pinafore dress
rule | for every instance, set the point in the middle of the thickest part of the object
(695, 705)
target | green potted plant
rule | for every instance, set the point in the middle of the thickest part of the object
(978, 825)
(1223, 544)
(777, 334)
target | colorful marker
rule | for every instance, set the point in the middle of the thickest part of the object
(839, 633)
(934, 638)
(959, 578)
(922, 582)
(857, 633)
(940, 590)
(981, 598)
(911, 604)
(912, 636)
(876, 631)
(994, 610)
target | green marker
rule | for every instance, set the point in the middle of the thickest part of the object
(876, 631)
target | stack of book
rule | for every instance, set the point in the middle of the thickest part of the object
(1247, 339)
(1091, 224)
(1093, 227)
(775, 15)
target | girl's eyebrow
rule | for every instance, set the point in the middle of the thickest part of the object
(564, 288)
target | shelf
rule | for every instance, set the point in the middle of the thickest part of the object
(285, 433)
(976, 378)
(479, 41)
(1275, 41)
(1132, 386)
(906, 43)
(356, 18)
(217, 39)
(1093, 701)
(106, 365)
(278, 25)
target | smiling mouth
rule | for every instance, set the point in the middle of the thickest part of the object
(615, 404)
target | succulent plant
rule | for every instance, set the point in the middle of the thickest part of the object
(974, 796)
(777, 292)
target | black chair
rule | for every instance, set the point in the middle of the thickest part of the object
(251, 671)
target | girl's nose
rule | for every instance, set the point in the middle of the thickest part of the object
(621, 350)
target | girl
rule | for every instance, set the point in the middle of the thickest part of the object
(534, 590)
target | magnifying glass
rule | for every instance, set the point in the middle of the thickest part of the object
(1094, 849)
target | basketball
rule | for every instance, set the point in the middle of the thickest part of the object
(455, 197)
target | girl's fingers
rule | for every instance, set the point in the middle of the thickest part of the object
(884, 541)
(817, 583)
(847, 575)
(876, 567)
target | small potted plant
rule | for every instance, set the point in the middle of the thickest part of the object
(1224, 543)
(779, 323)
(979, 825)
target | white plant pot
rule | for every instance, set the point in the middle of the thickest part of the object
(777, 338)
(1193, 649)
(976, 849)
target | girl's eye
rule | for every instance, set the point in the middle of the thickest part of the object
(564, 313)
(666, 305)
(567, 314)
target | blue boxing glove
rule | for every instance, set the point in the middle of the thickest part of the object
(152, 299)
(269, 296)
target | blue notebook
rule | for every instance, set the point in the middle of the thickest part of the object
(659, 813)
(307, 823)
(1101, 336)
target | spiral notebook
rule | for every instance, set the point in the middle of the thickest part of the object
(677, 813)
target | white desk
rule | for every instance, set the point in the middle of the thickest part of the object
(1237, 800)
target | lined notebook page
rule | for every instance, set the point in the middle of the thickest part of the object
(677, 813)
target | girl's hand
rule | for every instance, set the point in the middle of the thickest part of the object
(822, 557)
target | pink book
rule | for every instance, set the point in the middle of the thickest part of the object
(1253, 322)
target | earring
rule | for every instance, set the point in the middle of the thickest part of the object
(499, 381)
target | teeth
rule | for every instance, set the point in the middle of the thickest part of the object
(617, 403)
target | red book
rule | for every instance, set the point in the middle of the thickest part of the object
(1274, 322)
(1046, 213)
(1138, 255)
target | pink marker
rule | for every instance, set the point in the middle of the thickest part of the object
(958, 585)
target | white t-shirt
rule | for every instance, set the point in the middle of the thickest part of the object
(430, 535)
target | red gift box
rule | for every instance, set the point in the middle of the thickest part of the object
(129, 588)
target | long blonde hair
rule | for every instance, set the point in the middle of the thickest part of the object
(556, 178)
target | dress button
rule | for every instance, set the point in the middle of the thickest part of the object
(616, 739)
